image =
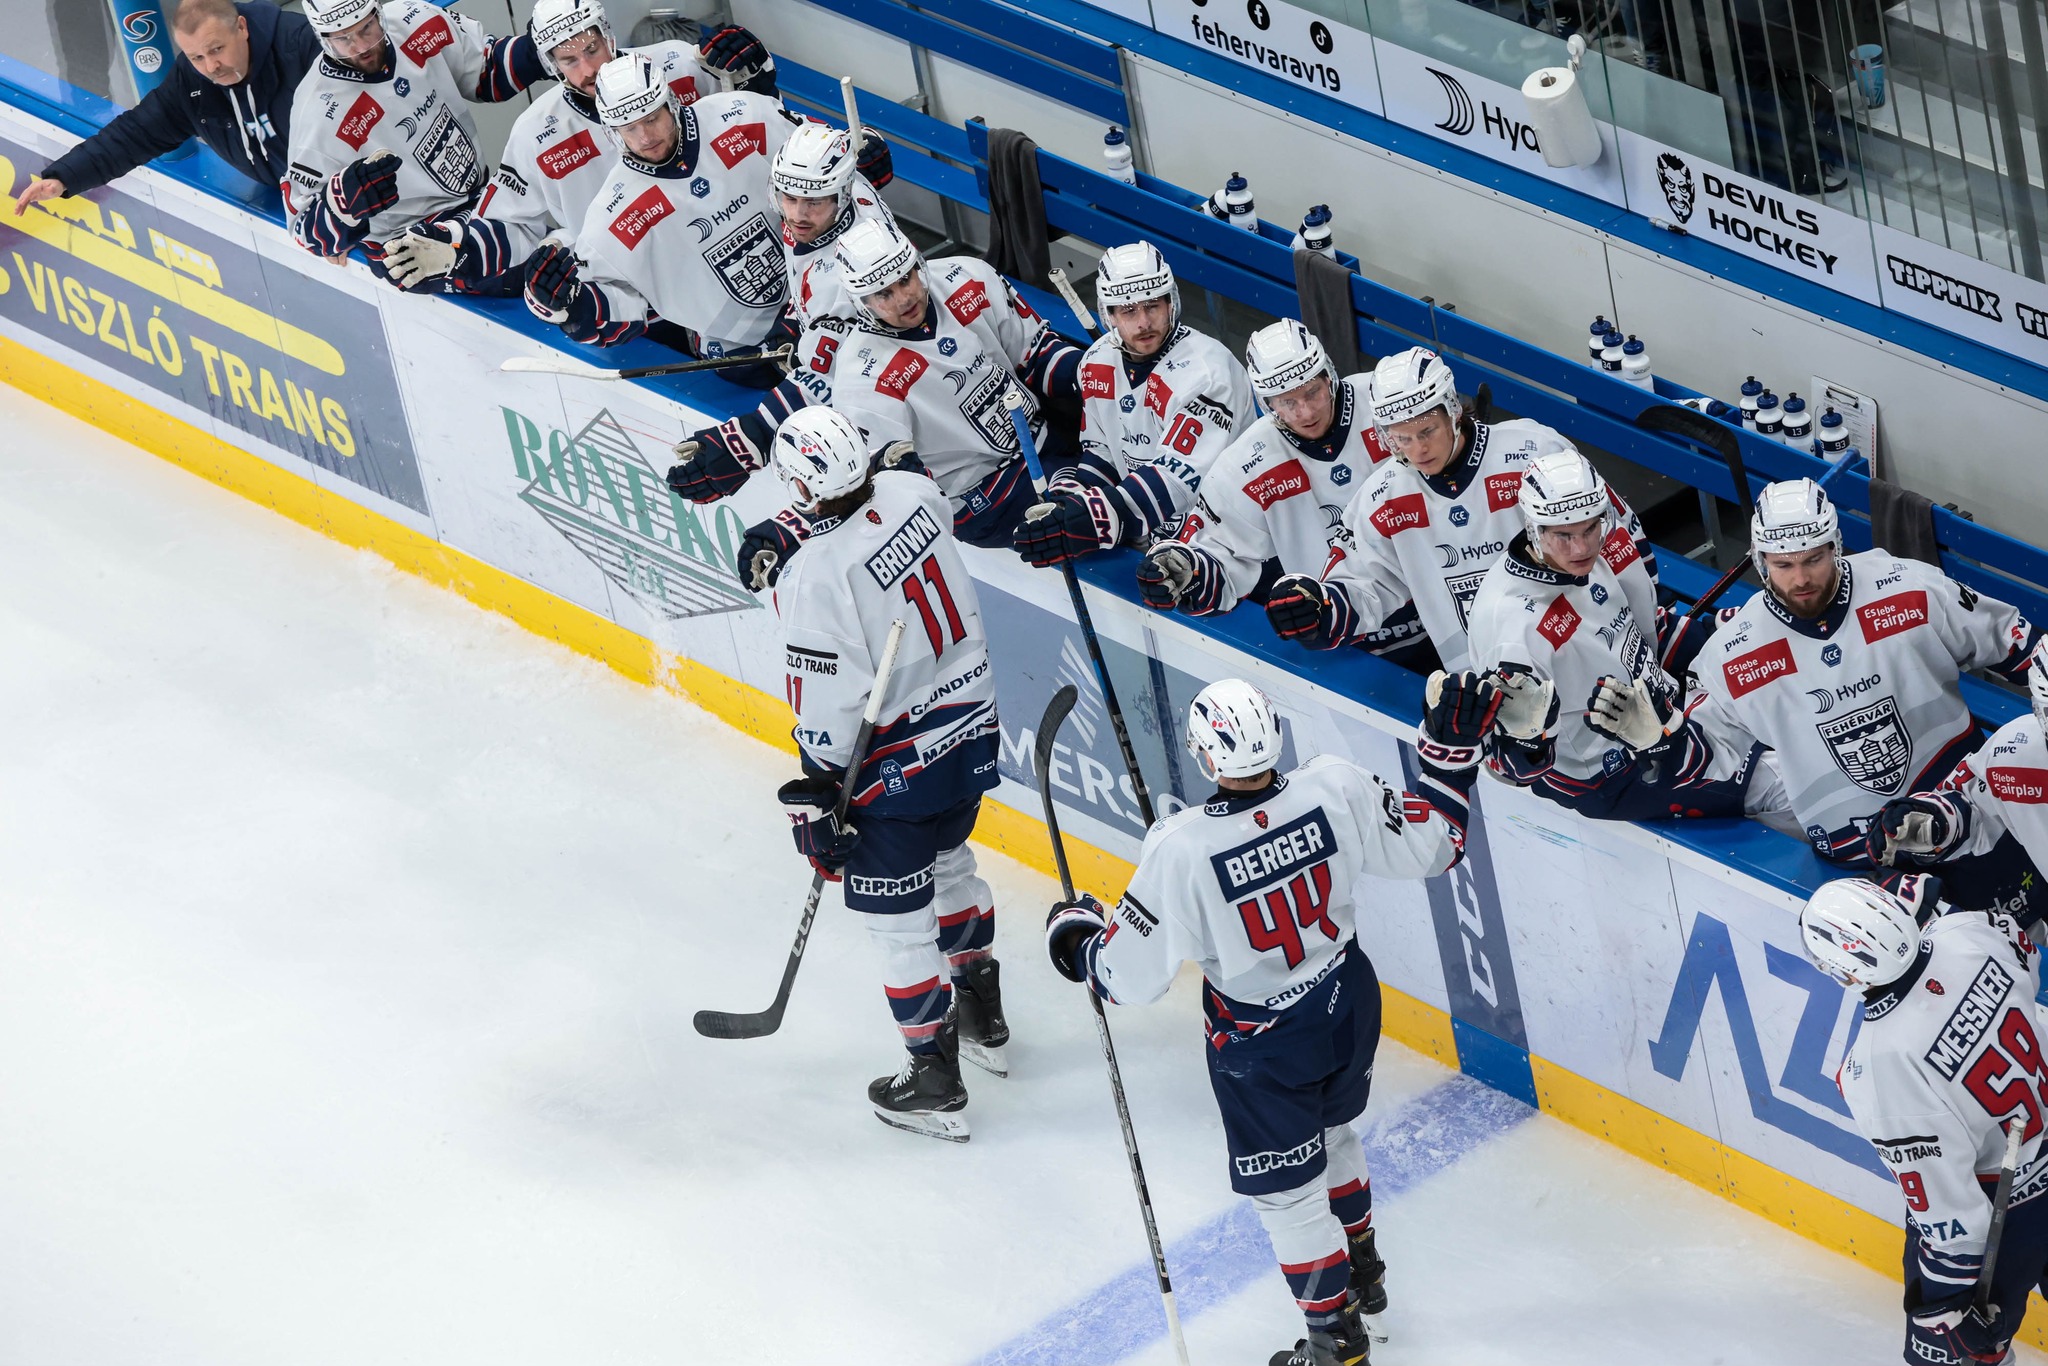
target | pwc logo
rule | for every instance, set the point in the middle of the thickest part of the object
(1749, 672)
(1401, 514)
(638, 218)
(362, 116)
(1889, 616)
(564, 157)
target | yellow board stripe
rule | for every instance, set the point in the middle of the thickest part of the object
(1813, 1213)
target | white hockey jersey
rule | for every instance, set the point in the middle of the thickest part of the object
(419, 108)
(697, 242)
(1943, 1055)
(1414, 540)
(1573, 631)
(1271, 496)
(1860, 704)
(558, 156)
(1259, 888)
(2005, 786)
(893, 557)
(1158, 436)
(814, 288)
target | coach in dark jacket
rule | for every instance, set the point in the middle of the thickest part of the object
(232, 85)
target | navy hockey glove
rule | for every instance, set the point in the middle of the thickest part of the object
(551, 284)
(364, 188)
(1916, 831)
(1636, 714)
(709, 470)
(901, 457)
(420, 259)
(875, 162)
(1458, 712)
(1299, 608)
(819, 838)
(1171, 575)
(742, 58)
(1068, 929)
(1955, 1325)
(1074, 520)
(768, 545)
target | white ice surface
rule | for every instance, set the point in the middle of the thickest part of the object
(349, 938)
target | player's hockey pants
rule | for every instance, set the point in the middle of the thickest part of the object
(913, 881)
(1644, 791)
(2022, 1265)
(1309, 1226)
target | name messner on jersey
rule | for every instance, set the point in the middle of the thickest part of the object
(1425, 526)
(381, 135)
(880, 553)
(1258, 886)
(1946, 1057)
(1159, 402)
(559, 153)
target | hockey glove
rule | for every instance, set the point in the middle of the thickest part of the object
(1636, 714)
(709, 470)
(901, 457)
(1299, 608)
(1528, 705)
(1953, 1323)
(876, 162)
(1169, 574)
(364, 188)
(420, 259)
(1069, 928)
(741, 58)
(551, 284)
(768, 545)
(1458, 711)
(1074, 520)
(819, 838)
(1916, 831)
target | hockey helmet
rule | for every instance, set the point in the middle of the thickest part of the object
(874, 254)
(817, 162)
(629, 89)
(818, 455)
(555, 22)
(1560, 488)
(1283, 356)
(1792, 515)
(332, 16)
(1858, 933)
(1232, 730)
(1132, 274)
(1408, 385)
(2037, 679)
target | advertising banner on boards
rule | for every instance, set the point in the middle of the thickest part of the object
(1927, 281)
(1317, 53)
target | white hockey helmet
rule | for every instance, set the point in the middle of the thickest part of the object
(1132, 274)
(1858, 933)
(1412, 384)
(1232, 731)
(816, 163)
(629, 89)
(555, 22)
(874, 254)
(818, 455)
(2037, 680)
(332, 16)
(1560, 488)
(1792, 515)
(1285, 355)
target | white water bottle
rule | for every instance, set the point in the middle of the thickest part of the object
(1770, 418)
(1610, 353)
(1798, 429)
(1752, 391)
(1596, 339)
(1237, 202)
(1315, 232)
(1116, 156)
(1833, 437)
(1635, 363)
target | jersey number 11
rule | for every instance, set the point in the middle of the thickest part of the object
(918, 598)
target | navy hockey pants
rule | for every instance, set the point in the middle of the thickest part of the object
(1643, 791)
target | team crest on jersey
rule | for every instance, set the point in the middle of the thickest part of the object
(700, 187)
(1831, 655)
(1870, 747)
(1597, 593)
(748, 262)
(1464, 588)
(947, 346)
(1460, 516)
(983, 406)
(1259, 818)
(402, 86)
(446, 154)
(1340, 474)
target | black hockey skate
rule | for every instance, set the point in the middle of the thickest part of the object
(978, 990)
(1369, 1283)
(927, 1096)
(1348, 1346)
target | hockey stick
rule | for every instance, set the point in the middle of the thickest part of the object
(720, 1024)
(1015, 403)
(547, 365)
(1065, 286)
(853, 128)
(2001, 1201)
(1048, 734)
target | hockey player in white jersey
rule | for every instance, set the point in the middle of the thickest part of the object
(1258, 886)
(680, 231)
(1159, 402)
(1846, 666)
(558, 154)
(381, 135)
(1948, 1055)
(821, 189)
(882, 552)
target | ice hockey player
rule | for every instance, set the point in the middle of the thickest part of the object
(1847, 667)
(1425, 526)
(1159, 402)
(929, 359)
(882, 551)
(1256, 886)
(680, 231)
(381, 135)
(1273, 503)
(1948, 1054)
(821, 190)
(1999, 792)
(558, 153)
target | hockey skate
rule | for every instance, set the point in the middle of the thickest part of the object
(926, 1096)
(1348, 1346)
(1369, 1284)
(983, 1031)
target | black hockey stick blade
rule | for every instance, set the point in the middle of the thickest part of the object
(1048, 735)
(725, 1024)
(1705, 432)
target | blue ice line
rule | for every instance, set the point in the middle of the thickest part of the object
(1403, 1148)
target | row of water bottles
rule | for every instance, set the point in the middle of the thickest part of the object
(1789, 420)
(1232, 204)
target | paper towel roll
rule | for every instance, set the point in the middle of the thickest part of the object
(1558, 113)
